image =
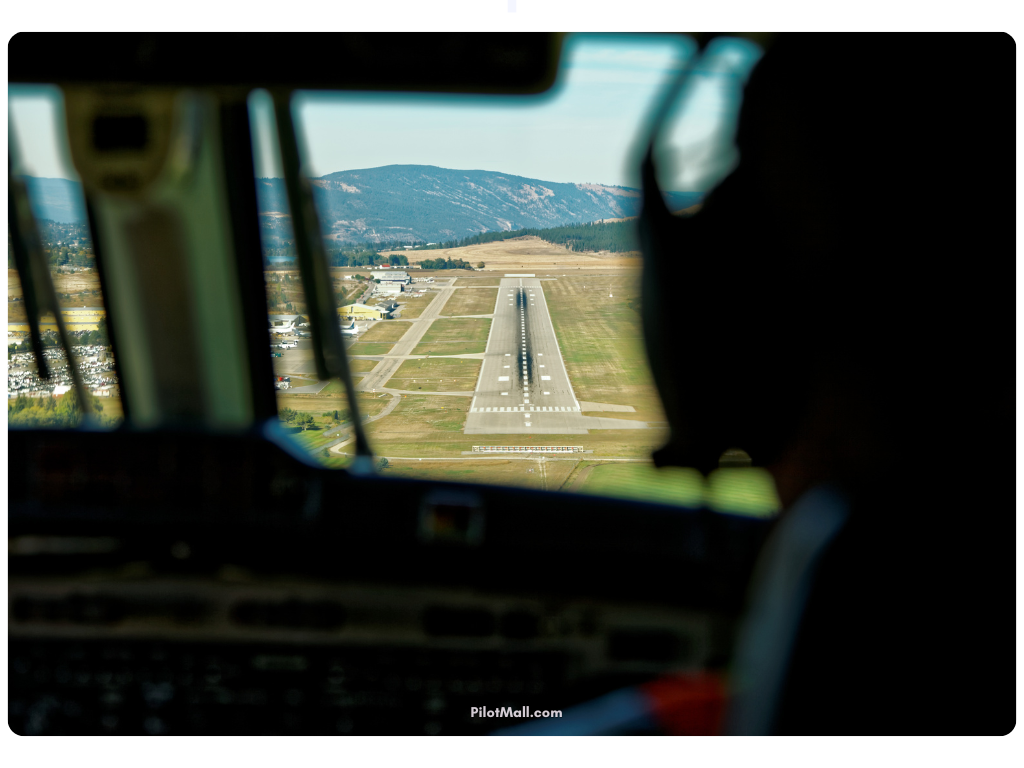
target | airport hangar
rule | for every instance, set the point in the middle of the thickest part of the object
(363, 312)
(388, 276)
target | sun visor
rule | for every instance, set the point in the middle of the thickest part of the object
(497, 63)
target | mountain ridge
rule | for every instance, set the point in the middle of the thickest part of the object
(425, 203)
(396, 204)
(56, 199)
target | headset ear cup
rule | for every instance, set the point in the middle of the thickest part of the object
(724, 347)
(659, 235)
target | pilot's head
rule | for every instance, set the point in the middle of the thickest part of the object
(808, 312)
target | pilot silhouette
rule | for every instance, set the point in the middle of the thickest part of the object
(845, 320)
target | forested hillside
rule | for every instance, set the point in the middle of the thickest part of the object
(615, 236)
(405, 204)
(365, 211)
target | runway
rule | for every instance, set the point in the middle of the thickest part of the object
(523, 386)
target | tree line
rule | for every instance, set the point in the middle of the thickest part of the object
(62, 412)
(365, 257)
(56, 238)
(305, 420)
(445, 264)
(359, 256)
(614, 236)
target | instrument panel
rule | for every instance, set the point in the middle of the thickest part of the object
(339, 604)
(138, 653)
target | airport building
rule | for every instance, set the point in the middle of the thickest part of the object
(363, 312)
(390, 276)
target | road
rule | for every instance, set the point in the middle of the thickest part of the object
(376, 378)
(300, 359)
(336, 446)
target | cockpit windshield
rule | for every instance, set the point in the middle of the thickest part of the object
(484, 268)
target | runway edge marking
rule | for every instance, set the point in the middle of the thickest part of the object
(558, 346)
(483, 363)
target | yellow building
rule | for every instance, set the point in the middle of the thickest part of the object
(363, 312)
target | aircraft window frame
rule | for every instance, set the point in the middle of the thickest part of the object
(38, 143)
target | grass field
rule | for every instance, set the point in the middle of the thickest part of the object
(363, 348)
(645, 482)
(524, 254)
(412, 308)
(421, 425)
(370, 404)
(312, 440)
(736, 491)
(75, 289)
(450, 348)
(478, 282)
(362, 366)
(601, 340)
(385, 330)
(331, 398)
(546, 475)
(471, 301)
(449, 336)
(436, 375)
(334, 387)
(460, 329)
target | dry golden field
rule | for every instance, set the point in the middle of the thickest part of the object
(601, 339)
(77, 289)
(84, 282)
(436, 374)
(524, 253)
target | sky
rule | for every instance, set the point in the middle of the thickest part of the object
(587, 129)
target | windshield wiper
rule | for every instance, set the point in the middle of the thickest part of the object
(328, 348)
(37, 289)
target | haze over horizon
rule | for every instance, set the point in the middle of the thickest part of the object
(584, 130)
